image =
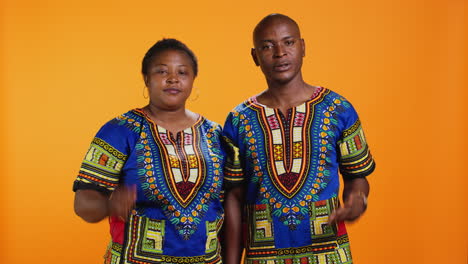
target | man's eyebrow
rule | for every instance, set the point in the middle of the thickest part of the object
(270, 40)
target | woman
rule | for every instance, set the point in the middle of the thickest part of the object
(156, 171)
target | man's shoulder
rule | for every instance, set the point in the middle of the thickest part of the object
(243, 107)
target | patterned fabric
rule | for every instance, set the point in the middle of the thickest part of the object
(289, 165)
(178, 177)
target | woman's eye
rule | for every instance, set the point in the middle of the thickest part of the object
(160, 71)
(182, 72)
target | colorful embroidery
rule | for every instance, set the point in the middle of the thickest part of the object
(186, 195)
(307, 254)
(288, 148)
(102, 165)
(356, 159)
(178, 179)
(261, 232)
(145, 240)
(232, 170)
(290, 168)
(329, 244)
(212, 245)
(112, 255)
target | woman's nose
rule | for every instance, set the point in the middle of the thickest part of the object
(172, 78)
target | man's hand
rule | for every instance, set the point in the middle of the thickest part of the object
(351, 210)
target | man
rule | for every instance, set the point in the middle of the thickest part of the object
(287, 145)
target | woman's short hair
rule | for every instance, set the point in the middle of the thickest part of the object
(167, 44)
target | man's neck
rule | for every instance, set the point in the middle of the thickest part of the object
(285, 96)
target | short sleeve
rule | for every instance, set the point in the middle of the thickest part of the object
(233, 175)
(103, 162)
(355, 159)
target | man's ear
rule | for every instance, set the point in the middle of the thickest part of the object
(303, 47)
(254, 56)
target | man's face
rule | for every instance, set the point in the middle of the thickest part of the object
(279, 50)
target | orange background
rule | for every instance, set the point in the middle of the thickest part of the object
(69, 66)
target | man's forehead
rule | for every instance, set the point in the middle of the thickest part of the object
(279, 28)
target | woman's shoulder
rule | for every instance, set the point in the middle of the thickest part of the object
(128, 122)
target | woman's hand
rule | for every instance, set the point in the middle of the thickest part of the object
(233, 228)
(122, 201)
(93, 206)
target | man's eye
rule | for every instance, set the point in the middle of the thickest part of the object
(182, 72)
(265, 47)
(289, 42)
(161, 71)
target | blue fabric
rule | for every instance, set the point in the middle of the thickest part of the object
(178, 178)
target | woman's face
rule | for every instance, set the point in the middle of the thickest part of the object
(169, 79)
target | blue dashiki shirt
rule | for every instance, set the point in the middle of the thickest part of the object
(289, 166)
(178, 178)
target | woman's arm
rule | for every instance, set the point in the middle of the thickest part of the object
(93, 206)
(233, 229)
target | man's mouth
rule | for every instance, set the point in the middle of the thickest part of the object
(281, 67)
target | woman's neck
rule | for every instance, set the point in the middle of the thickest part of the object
(173, 120)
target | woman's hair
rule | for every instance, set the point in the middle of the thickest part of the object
(167, 44)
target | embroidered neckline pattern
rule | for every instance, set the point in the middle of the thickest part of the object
(292, 155)
(188, 191)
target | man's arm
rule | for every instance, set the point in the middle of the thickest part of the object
(355, 195)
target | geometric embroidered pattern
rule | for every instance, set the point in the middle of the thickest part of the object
(180, 184)
(213, 248)
(185, 174)
(232, 169)
(145, 243)
(290, 166)
(261, 236)
(306, 254)
(102, 165)
(322, 233)
(112, 255)
(146, 238)
(356, 159)
(329, 244)
(285, 138)
(178, 179)
(211, 241)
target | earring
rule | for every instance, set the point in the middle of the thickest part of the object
(197, 94)
(145, 95)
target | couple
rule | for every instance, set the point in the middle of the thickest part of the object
(159, 172)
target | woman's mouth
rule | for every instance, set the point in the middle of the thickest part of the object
(172, 90)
